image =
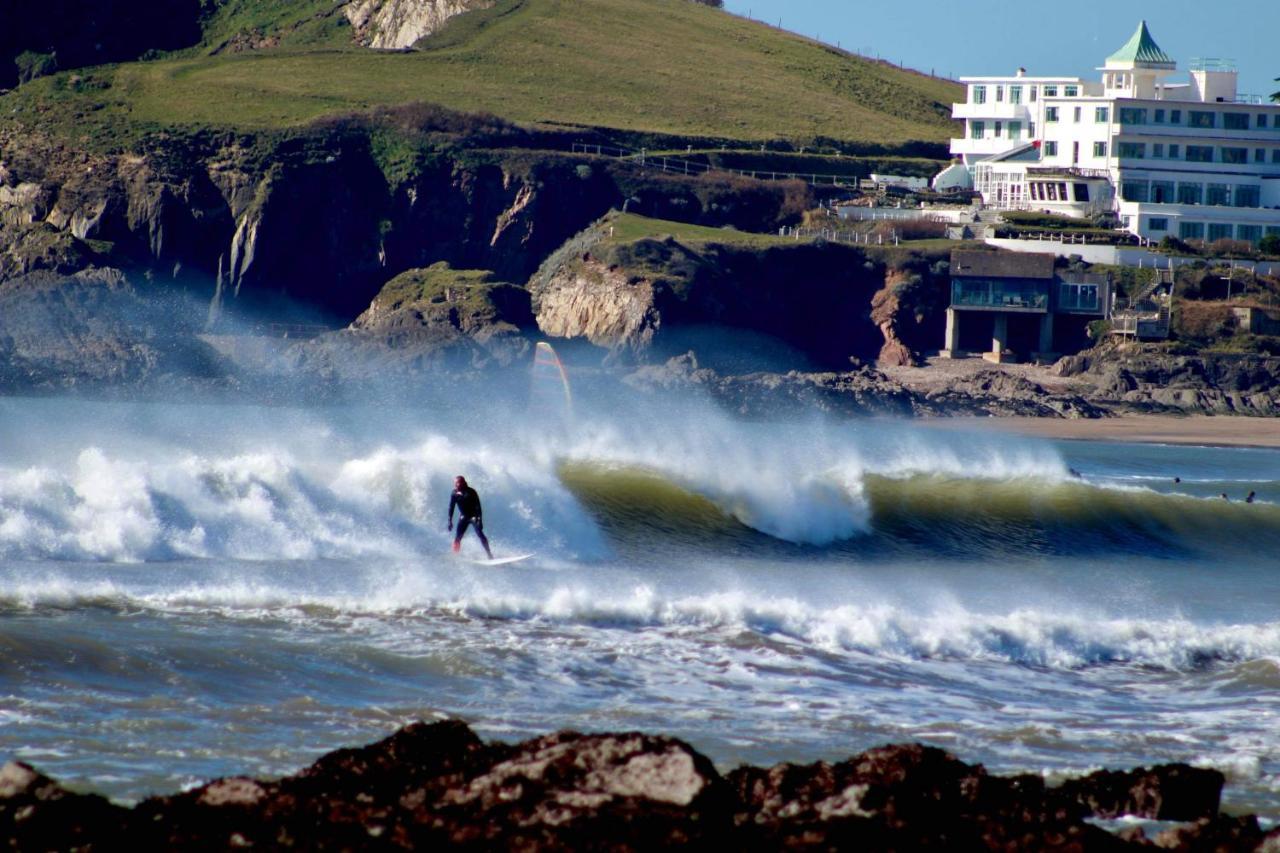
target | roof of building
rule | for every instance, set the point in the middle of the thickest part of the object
(1026, 153)
(1142, 51)
(968, 263)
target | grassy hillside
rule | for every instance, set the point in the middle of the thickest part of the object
(664, 66)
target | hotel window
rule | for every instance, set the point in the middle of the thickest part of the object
(1015, 94)
(1050, 114)
(1132, 115)
(1249, 233)
(1275, 155)
(1134, 191)
(979, 94)
(977, 129)
(1159, 117)
(1051, 148)
(1200, 153)
(1158, 223)
(1218, 195)
(1191, 230)
(1248, 196)
(1175, 116)
(1273, 230)
(1196, 118)
(1162, 192)
(1235, 155)
(1173, 152)
(1101, 115)
(1051, 91)
(1190, 193)
(1157, 151)
(1262, 119)
(1032, 94)
(1070, 91)
(1081, 191)
(1076, 114)
(1235, 121)
(1099, 149)
(1015, 130)
(999, 129)
(1135, 150)
(1219, 231)
(1259, 155)
(999, 94)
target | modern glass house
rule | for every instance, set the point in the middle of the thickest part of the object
(1012, 306)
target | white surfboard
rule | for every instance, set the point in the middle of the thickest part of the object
(501, 561)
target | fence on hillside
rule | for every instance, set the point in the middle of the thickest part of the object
(684, 166)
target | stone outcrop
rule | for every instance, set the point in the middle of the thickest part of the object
(995, 392)
(428, 786)
(1151, 379)
(397, 24)
(437, 319)
(96, 330)
(650, 298)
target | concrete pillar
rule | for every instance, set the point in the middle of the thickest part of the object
(953, 331)
(1000, 334)
(1046, 333)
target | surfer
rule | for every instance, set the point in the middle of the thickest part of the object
(1249, 499)
(467, 501)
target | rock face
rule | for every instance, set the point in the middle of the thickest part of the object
(394, 24)
(433, 319)
(651, 297)
(428, 786)
(1146, 379)
(96, 329)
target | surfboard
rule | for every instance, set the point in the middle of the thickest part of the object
(501, 561)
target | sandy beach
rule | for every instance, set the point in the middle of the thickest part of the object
(1203, 430)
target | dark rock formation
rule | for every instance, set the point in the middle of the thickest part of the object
(428, 786)
(435, 319)
(651, 297)
(96, 329)
(996, 392)
(1153, 379)
(864, 391)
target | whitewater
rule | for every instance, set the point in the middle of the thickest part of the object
(197, 590)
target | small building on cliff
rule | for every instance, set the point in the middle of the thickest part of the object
(1011, 306)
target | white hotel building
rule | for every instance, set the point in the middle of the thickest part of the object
(1188, 159)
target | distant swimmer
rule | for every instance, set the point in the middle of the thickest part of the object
(467, 501)
(1177, 480)
(1249, 499)
(1224, 496)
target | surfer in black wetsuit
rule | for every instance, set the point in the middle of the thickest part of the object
(467, 501)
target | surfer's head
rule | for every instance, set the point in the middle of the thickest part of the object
(459, 482)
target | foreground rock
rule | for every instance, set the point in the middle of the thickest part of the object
(438, 784)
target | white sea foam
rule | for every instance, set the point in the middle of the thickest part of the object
(294, 489)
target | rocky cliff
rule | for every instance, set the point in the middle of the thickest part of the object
(393, 24)
(652, 296)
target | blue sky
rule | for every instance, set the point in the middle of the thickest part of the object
(981, 37)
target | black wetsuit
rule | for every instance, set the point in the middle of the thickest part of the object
(469, 514)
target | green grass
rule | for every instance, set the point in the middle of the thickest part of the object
(660, 66)
(628, 227)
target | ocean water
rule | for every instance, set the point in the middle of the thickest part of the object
(199, 590)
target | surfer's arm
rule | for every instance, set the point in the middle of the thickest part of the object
(453, 501)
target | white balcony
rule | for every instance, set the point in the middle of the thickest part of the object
(990, 111)
(987, 146)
